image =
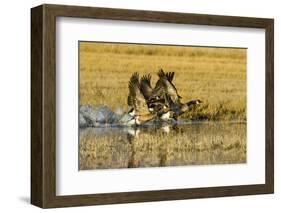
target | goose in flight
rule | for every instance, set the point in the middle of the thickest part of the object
(147, 91)
(145, 86)
(139, 110)
(164, 86)
(166, 91)
(157, 105)
(139, 93)
(179, 108)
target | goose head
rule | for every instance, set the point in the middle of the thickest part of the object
(190, 104)
(195, 102)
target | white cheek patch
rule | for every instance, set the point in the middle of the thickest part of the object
(166, 116)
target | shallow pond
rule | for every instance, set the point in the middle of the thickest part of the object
(187, 143)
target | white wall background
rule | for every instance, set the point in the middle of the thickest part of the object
(15, 104)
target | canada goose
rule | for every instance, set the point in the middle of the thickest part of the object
(179, 108)
(137, 102)
(166, 90)
(147, 91)
(165, 86)
(193, 103)
(163, 101)
(145, 86)
(164, 113)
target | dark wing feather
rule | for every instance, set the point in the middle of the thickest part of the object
(159, 89)
(170, 90)
(170, 76)
(130, 101)
(164, 86)
(161, 73)
(133, 80)
(145, 86)
(136, 97)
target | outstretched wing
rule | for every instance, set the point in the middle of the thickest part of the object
(164, 86)
(133, 80)
(159, 89)
(168, 75)
(136, 98)
(145, 86)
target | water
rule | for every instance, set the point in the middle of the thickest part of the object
(183, 144)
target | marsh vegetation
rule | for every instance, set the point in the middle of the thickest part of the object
(186, 144)
(217, 76)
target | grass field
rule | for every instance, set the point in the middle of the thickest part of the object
(217, 76)
(195, 144)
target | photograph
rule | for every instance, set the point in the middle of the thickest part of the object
(155, 105)
(132, 95)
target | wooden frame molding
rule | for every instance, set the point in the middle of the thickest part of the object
(43, 105)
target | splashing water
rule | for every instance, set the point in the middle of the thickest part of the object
(102, 116)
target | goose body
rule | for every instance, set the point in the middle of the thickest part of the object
(137, 102)
(161, 103)
(164, 86)
(180, 108)
(165, 92)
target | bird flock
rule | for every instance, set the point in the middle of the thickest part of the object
(161, 103)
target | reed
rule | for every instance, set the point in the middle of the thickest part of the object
(217, 76)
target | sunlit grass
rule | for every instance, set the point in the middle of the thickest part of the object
(214, 143)
(217, 76)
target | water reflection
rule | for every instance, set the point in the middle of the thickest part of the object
(163, 145)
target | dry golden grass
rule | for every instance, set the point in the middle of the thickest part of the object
(199, 144)
(217, 76)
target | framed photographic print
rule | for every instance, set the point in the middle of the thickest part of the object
(136, 106)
